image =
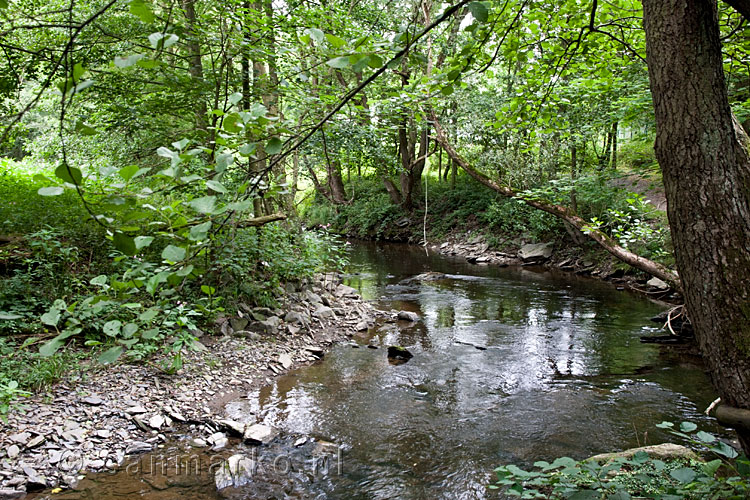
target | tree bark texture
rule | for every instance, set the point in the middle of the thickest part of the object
(706, 173)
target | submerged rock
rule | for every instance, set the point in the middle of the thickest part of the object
(408, 316)
(399, 353)
(535, 252)
(235, 472)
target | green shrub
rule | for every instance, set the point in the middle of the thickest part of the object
(723, 478)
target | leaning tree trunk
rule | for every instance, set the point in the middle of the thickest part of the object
(563, 213)
(706, 175)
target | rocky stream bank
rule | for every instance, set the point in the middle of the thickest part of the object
(97, 418)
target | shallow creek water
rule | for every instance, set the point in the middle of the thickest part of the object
(510, 365)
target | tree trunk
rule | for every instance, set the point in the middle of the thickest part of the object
(706, 174)
(196, 65)
(614, 146)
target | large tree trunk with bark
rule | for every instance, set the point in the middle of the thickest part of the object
(706, 173)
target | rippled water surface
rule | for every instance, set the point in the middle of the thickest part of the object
(511, 364)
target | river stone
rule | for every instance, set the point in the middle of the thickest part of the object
(136, 410)
(6, 494)
(238, 324)
(20, 438)
(408, 316)
(314, 350)
(535, 252)
(93, 400)
(286, 361)
(657, 283)
(260, 434)
(345, 291)
(235, 472)
(35, 441)
(398, 352)
(361, 326)
(233, 426)
(13, 451)
(323, 312)
(313, 298)
(296, 318)
(665, 451)
(137, 447)
(156, 422)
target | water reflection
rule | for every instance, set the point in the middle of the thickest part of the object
(509, 365)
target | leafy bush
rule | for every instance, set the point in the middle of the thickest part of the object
(726, 477)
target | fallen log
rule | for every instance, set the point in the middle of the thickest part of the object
(564, 213)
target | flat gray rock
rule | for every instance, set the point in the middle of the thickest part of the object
(535, 252)
(260, 434)
(137, 447)
(235, 472)
(408, 316)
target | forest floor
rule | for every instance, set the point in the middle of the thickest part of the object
(94, 419)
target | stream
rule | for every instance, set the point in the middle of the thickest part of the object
(510, 365)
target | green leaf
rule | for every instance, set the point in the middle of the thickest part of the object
(50, 191)
(640, 457)
(216, 186)
(683, 474)
(49, 348)
(110, 355)
(124, 243)
(9, 316)
(112, 328)
(479, 11)
(173, 253)
(585, 494)
(199, 232)
(688, 427)
(185, 271)
(235, 98)
(375, 61)
(339, 62)
(208, 290)
(273, 146)
(705, 437)
(203, 205)
(335, 41)
(148, 314)
(52, 316)
(162, 40)
(710, 468)
(128, 172)
(150, 334)
(100, 280)
(620, 495)
(724, 450)
(143, 241)
(3, 4)
(232, 123)
(69, 174)
(142, 9)
(85, 129)
(129, 329)
(316, 35)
